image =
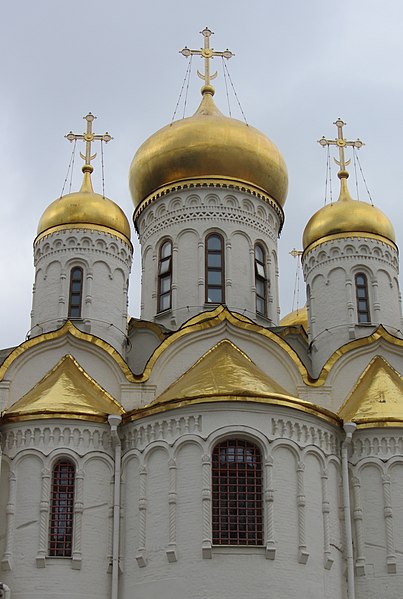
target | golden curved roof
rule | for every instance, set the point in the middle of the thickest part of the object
(295, 318)
(208, 145)
(347, 216)
(85, 207)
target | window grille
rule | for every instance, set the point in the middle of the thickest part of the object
(76, 292)
(62, 509)
(361, 290)
(237, 493)
(215, 291)
(165, 277)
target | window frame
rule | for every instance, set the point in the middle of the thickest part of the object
(61, 516)
(362, 286)
(234, 521)
(75, 293)
(165, 275)
(210, 269)
(261, 279)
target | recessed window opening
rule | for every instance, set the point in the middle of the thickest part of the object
(215, 269)
(361, 289)
(76, 292)
(165, 277)
(260, 280)
(62, 509)
(237, 514)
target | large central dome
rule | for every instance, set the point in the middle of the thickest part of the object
(208, 145)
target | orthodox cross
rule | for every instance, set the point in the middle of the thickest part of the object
(207, 53)
(341, 143)
(88, 137)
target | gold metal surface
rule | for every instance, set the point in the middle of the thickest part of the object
(222, 370)
(66, 390)
(225, 373)
(89, 136)
(341, 143)
(295, 318)
(354, 235)
(347, 216)
(67, 329)
(85, 207)
(207, 53)
(377, 397)
(208, 144)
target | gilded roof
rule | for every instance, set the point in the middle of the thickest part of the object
(377, 398)
(295, 318)
(208, 145)
(66, 391)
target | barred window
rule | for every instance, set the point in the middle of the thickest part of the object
(76, 292)
(237, 493)
(361, 290)
(215, 289)
(62, 509)
(260, 280)
(165, 276)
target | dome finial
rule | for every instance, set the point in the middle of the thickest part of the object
(207, 53)
(341, 143)
(88, 137)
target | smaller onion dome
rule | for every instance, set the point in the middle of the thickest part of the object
(295, 318)
(347, 216)
(85, 207)
(212, 146)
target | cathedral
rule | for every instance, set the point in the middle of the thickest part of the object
(206, 449)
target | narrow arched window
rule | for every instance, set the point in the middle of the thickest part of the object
(62, 509)
(76, 292)
(361, 290)
(260, 280)
(165, 276)
(215, 290)
(237, 493)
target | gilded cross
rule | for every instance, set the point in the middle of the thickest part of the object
(341, 143)
(88, 137)
(207, 53)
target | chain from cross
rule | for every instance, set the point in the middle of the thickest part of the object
(341, 143)
(207, 53)
(88, 137)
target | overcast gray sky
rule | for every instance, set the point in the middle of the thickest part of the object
(299, 65)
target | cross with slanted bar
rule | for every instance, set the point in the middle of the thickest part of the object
(341, 143)
(207, 53)
(88, 137)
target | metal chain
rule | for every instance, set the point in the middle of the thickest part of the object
(355, 173)
(330, 179)
(181, 92)
(103, 169)
(365, 183)
(226, 86)
(235, 94)
(71, 165)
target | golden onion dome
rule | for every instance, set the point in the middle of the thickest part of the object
(208, 145)
(347, 216)
(85, 207)
(295, 318)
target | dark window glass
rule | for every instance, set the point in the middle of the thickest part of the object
(215, 269)
(76, 292)
(260, 280)
(62, 509)
(361, 288)
(165, 276)
(237, 512)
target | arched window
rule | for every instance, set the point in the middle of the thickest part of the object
(62, 509)
(237, 493)
(361, 290)
(76, 292)
(165, 276)
(215, 289)
(260, 280)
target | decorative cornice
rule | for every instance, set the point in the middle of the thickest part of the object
(86, 227)
(352, 235)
